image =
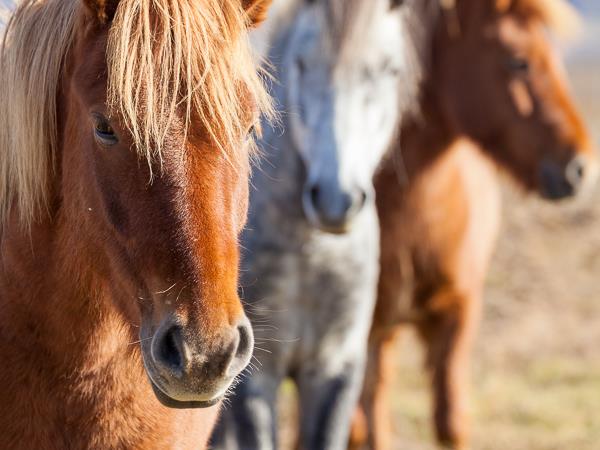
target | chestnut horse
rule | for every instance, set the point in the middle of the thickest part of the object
(494, 79)
(124, 165)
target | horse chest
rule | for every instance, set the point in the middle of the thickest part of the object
(337, 292)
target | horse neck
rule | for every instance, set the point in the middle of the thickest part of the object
(426, 133)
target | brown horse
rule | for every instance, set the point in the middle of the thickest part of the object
(493, 86)
(124, 157)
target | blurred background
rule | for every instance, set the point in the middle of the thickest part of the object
(536, 369)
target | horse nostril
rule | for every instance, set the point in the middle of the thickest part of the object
(170, 352)
(245, 343)
(575, 172)
(243, 351)
(314, 195)
(362, 198)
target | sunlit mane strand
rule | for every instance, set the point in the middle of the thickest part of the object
(168, 61)
(35, 42)
(169, 56)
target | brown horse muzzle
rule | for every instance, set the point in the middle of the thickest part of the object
(188, 371)
(560, 181)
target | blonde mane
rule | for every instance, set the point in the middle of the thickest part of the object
(164, 57)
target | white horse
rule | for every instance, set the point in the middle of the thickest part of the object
(344, 74)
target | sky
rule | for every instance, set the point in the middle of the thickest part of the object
(591, 6)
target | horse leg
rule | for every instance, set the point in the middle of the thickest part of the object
(447, 333)
(326, 405)
(372, 421)
(359, 430)
(249, 422)
(374, 405)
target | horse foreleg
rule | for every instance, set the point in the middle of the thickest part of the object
(359, 430)
(326, 404)
(447, 333)
(249, 421)
(371, 426)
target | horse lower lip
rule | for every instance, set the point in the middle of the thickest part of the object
(177, 404)
(341, 228)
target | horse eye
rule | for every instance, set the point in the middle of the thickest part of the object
(518, 65)
(253, 131)
(104, 133)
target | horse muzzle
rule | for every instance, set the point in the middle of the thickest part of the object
(186, 371)
(560, 181)
(331, 208)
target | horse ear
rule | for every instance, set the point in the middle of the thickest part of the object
(256, 10)
(103, 10)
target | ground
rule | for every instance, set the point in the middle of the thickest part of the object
(536, 371)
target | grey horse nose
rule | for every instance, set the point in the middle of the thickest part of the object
(335, 208)
(576, 172)
(561, 181)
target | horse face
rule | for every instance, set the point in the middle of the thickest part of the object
(166, 244)
(504, 86)
(342, 110)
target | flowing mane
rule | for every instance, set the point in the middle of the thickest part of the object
(163, 57)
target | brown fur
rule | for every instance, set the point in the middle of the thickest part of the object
(103, 9)
(438, 203)
(256, 10)
(114, 254)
